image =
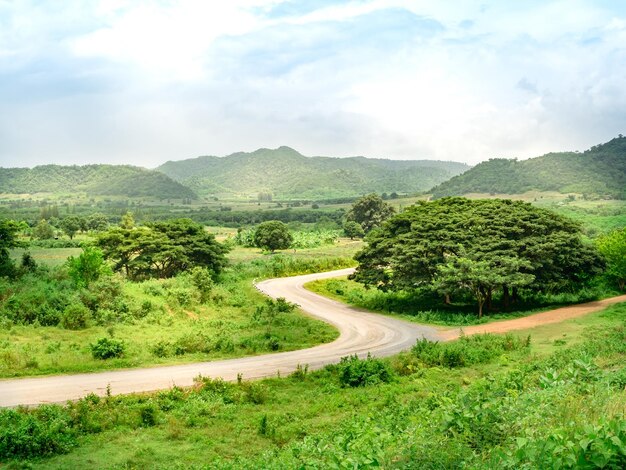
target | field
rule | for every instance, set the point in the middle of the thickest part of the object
(506, 407)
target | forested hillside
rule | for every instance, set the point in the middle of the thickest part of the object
(285, 174)
(601, 170)
(95, 180)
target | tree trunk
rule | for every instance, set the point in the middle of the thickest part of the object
(515, 296)
(506, 298)
(446, 299)
(481, 301)
(489, 297)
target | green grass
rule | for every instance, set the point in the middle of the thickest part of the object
(425, 417)
(46, 256)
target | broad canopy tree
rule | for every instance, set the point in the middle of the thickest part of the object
(162, 249)
(477, 246)
(613, 248)
(272, 235)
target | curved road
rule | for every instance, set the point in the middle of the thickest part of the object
(361, 333)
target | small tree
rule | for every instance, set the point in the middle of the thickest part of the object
(88, 267)
(353, 230)
(70, 225)
(370, 211)
(273, 235)
(613, 248)
(43, 230)
(8, 239)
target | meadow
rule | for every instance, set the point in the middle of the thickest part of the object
(481, 402)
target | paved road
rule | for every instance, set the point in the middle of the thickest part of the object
(360, 332)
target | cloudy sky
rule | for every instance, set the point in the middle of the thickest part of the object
(143, 82)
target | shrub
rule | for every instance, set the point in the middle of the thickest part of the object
(35, 433)
(354, 372)
(203, 281)
(75, 317)
(106, 348)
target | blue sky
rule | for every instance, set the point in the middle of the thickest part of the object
(142, 82)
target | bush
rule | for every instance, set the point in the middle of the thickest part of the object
(106, 348)
(35, 433)
(354, 372)
(467, 350)
(75, 317)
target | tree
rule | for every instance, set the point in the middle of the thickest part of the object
(273, 235)
(8, 239)
(88, 267)
(43, 230)
(128, 221)
(97, 222)
(524, 245)
(353, 230)
(481, 278)
(70, 225)
(613, 248)
(370, 211)
(162, 249)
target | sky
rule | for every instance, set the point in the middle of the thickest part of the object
(143, 82)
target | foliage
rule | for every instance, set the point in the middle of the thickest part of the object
(468, 350)
(477, 246)
(87, 267)
(613, 248)
(599, 170)
(71, 224)
(8, 239)
(75, 317)
(355, 372)
(162, 249)
(107, 348)
(272, 235)
(43, 230)
(286, 174)
(370, 212)
(353, 230)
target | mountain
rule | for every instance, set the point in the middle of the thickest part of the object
(96, 180)
(601, 170)
(287, 174)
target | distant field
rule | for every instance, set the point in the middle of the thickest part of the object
(47, 256)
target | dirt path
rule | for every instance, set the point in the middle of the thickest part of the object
(361, 333)
(537, 319)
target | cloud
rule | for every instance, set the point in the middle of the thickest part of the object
(144, 82)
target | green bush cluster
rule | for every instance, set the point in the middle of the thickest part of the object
(355, 372)
(468, 350)
(107, 348)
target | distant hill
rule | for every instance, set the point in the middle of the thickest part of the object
(601, 170)
(285, 173)
(96, 180)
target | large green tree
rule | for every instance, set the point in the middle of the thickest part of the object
(524, 245)
(369, 211)
(273, 235)
(613, 248)
(162, 249)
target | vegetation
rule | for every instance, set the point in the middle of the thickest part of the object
(284, 173)
(599, 171)
(483, 402)
(162, 249)
(272, 235)
(8, 240)
(353, 230)
(369, 212)
(109, 180)
(458, 246)
(613, 248)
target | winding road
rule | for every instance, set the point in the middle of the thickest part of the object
(361, 333)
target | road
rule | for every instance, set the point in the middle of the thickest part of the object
(360, 333)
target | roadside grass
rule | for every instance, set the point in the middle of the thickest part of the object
(504, 411)
(429, 309)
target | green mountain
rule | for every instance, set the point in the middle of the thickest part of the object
(95, 180)
(287, 174)
(601, 170)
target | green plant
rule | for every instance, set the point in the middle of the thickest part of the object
(355, 372)
(75, 317)
(107, 348)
